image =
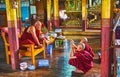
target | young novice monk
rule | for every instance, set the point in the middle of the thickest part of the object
(87, 46)
(81, 59)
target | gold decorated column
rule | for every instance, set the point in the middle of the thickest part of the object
(56, 14)
(84, 15)
(13, 36)
(49, 14)
(106, 38)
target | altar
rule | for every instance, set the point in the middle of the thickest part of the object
(73, 12)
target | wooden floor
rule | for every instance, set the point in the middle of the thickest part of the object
(58, 67)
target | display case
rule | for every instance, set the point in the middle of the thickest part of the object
(73, 10)
(117, 48)
(60, 43)
(117, 61)
(60, 40)
(94, 14)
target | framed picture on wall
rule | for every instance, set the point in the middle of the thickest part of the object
(32, 9)
(94, 14)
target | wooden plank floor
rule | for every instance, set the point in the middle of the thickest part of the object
(58, 67)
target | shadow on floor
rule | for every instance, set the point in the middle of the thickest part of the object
(74, 74)
(97, 61)
(59, 66)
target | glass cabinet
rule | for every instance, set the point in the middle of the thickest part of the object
(117, 48)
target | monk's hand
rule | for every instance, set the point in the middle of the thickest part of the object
(71, 41)
(38, 46)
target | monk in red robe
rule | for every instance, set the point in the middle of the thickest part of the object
(87, 46)
(80, 58)
(31, 34)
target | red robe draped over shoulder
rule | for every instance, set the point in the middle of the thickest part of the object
(89, 49)
(27, 38)
(83, 60)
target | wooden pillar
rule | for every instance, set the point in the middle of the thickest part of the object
(106, 38)
(113, 41)
(13, 37)
(19, 22)
(84, 15)
(56, 14)
(49, 14)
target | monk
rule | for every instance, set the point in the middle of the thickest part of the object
(31, 34)
(81, 59)
(87, 46)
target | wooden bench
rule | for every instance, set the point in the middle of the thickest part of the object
(7, 51)
(32, 52)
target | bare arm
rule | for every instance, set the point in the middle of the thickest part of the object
(33, 32)
(72, 44)
(72, 50)
(71, 55)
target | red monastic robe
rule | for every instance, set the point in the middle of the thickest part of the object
(27, 38)
(89, 49)
(83, 60)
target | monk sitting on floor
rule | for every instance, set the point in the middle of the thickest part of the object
(81, 59)
(87, 46)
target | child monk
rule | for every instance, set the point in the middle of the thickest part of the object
(87, 46)
(81, 59)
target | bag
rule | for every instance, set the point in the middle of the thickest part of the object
(43, 63)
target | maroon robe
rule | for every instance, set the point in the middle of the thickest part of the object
(27, 38)
(89, 49)
(83, 60)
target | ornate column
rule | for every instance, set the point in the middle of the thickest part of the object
(84, 15)
(56, 14)
(49, 14)
(106, 38)
(13, 36)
